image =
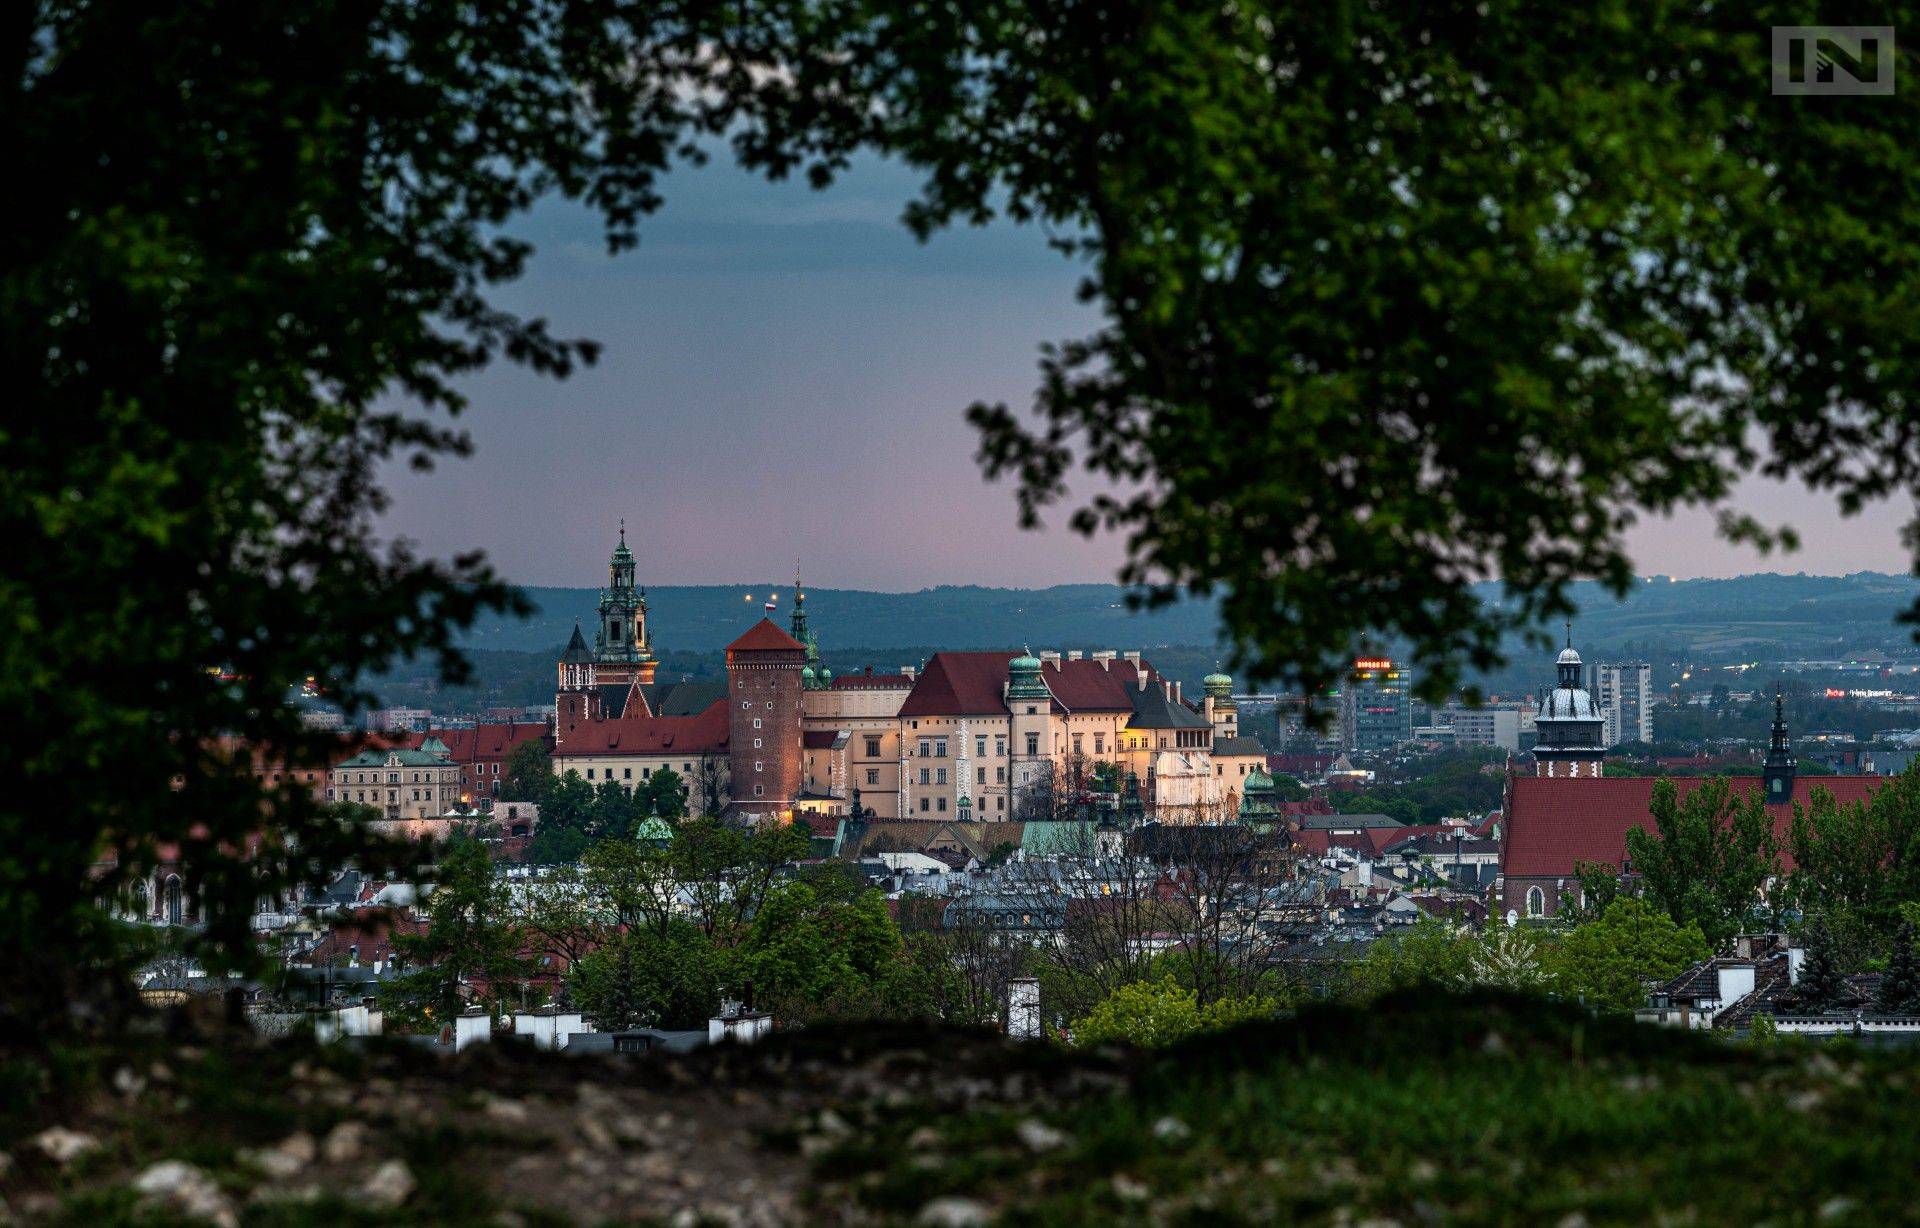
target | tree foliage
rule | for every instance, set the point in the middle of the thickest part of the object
(1822, 985)
(650, 978)
(1606, 963)
(529, 773)
(1856, 864)
(1151, 1014)
(1393, 298)
(1899, 992)
(1707, 856)
(472, 947)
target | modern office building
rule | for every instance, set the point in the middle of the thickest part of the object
(1376, 706)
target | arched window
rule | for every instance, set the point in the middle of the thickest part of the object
(173, 905)
(1536, 902)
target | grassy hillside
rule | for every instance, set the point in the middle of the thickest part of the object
(1423, 1110)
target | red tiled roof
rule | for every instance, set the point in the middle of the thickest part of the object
(766, 636)
(487, 741)
(819, 739)
(1095, 686)
(959, 684)
(973, 684)
(1554, 822)
(640, 735)
(872, 682)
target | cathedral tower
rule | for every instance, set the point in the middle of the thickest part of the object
(622, 645)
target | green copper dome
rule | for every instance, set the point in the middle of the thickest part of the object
(1023, 678)
(806, 675)
(1217, 684)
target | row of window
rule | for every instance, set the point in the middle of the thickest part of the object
(393, 795)
(393, 778)
(939, 805)
(627, 773)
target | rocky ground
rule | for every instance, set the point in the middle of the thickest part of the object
(235, 1131)
(1420, 1110)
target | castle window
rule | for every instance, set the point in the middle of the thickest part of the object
(873, 748)
(939, 748)
(756, 722)
(980, 747)
(1033, 744)
(926, 748)
(942, 806)
(756, 744)
(758, 789)
(626, 773)
(745, 704)
(1536, 902)
(756, 767)
(873, 776)
(925, 805)
(940, 776)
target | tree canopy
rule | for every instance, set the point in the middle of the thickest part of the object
(1393, 298)
(1707, 856)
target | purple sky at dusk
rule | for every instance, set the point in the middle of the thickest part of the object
(785, 373)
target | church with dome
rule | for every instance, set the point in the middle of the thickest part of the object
(1569, 816)
(1570, 726)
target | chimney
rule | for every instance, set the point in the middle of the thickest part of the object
(1073, 654)
(908, 671)
(1176, 693)
(1049, 657)
(1105, 658)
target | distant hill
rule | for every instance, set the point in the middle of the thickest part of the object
(708, 617)
(1769, 614)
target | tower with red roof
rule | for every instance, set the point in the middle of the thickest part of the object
(764, 690)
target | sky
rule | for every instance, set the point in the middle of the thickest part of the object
(784, 378)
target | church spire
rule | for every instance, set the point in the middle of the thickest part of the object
(1778, 770)
(814, 676)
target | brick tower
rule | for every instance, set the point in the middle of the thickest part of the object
(763, 698)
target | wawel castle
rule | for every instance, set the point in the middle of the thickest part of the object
(980, 736)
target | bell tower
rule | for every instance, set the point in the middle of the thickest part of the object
(623, 646)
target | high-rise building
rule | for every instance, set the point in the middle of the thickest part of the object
(1376, 706)
(1486, 726)
(1624, 694)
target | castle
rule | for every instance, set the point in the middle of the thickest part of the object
(972, 737)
